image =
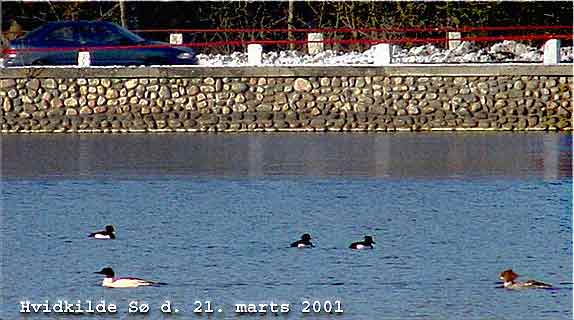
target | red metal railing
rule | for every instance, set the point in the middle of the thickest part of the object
(404, 40)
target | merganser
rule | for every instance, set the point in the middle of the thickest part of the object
(366, 244)
(508, 276)
(111, 282)
(305, 242)
(106, 234)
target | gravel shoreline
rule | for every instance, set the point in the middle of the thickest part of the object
(466, 52)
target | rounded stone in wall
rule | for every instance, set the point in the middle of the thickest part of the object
(27, 99)
(33, 84)
(47, 96)
(49, 84)
(209, 81)
(413, 110)
(93, 82)
(71, 102)
(29, 108)
(239, 87)
(191, 91)
(7, 83)
(459, 81)
(7, 105)
(174, 123)
(302, 85)
(325, 82)
(112, 94)
(499, 104)
(218, 85)
(480, 115)
(131, 84)
(563, 112)
(475, 106)
(13, 93)
(317, 123)
(397, 80)
(201, 97)
(164, 92)
(52, 113)
(532, 121)
(518, 85)
(239, 107)
(100, 109)
(365, 99)
(208, 119)
(550, 83)
(207, 89)
(85, 110)
(56, 103)
(264, 108)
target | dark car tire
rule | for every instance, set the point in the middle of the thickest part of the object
(39, 63)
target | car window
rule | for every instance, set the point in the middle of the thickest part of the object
(62, 34)
(98, 34)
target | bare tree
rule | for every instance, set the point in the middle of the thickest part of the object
(123, 13)
(290, 24)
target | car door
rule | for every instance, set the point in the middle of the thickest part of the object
(100, 40)
(57, 46)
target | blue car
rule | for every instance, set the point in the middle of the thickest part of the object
(58, 43)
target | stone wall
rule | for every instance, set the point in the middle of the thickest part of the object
(196, 99)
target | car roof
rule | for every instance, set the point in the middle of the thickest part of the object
(49, 26)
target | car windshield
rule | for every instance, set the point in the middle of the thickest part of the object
(130, 35)
(34, 33)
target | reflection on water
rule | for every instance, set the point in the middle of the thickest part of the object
(414, 155)
(213, 216)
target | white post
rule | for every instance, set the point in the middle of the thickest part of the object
(315, 47)
(254, 52)
(552, 51)
(383, 54)
(175, 38)
(84, 59)
(453, 40)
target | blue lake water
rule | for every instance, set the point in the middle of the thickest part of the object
(213, 216)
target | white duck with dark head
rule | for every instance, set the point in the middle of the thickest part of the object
(110, 281)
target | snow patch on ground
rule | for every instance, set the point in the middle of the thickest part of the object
(466, 52)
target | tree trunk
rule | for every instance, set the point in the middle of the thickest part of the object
(290, 24)
(123, 13)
